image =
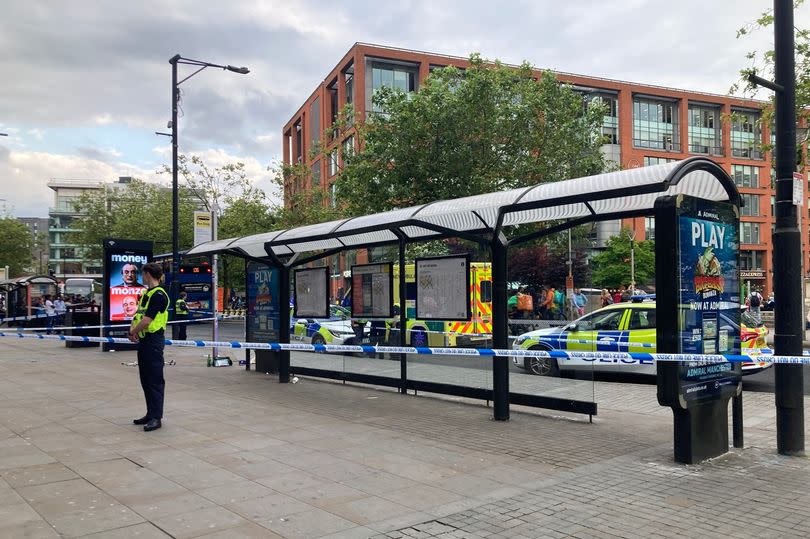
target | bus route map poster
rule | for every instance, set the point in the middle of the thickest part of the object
(371, 291)
(311, 293)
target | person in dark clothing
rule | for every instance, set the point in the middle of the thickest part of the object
(181, 313)
(147, 330)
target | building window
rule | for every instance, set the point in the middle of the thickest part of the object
(333, 162)
(745, 175)
(649, 228)
(316, 173)
(745, 134)
(773, 207)
(649, 161)
(749, 232)
(348, 81)
(750, 205)
(333, 194)
(751, 260)
(299, 142)
(332, 90)
(401, 77)
(704, 130)
(610, 122)
(348, 149)
(655, 124)
(315, 123)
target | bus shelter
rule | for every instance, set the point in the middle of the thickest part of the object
(23, 295)
(495, 221)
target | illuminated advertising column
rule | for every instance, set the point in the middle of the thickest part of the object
(123, 286)
(698, 312)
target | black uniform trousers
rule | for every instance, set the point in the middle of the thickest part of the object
(150, 367)
(181, 326)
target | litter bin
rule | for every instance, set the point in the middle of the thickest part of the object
(82, 318)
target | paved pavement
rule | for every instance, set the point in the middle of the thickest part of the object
(242, 456)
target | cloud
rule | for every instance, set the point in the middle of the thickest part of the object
(99, 154)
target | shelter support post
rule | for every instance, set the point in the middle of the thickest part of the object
(737, 421)
(284, 323)
(403, 318)
(500, 339)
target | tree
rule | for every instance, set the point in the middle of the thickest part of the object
(137, 210)
(612, 266)
(484, 129)
(544, 266)
(762, 63)
(15, 245)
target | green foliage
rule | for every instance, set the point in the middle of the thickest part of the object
(137, 210)
(304, 206)
(544, 266)
(612, 266)
(15, 245)
(488, 128)
(762, 63)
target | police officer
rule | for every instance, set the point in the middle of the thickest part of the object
(181, 314)
(147, 329)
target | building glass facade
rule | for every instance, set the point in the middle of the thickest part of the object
(655, 124)
(705, 134)
(644, 124)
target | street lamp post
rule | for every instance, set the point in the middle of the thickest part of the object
(174, 61)
(789, 323)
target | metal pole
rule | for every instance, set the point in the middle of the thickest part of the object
(284, 323)
(175, 225)
(403, 319)
(500, 329)
(633, 264)
(789, 326)
(215, 283)
(737, 420)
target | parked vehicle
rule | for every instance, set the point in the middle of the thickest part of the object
(622, 327)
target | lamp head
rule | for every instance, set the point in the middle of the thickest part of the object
(241, 70)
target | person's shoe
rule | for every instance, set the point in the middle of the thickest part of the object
(152, 424)
(142, 421)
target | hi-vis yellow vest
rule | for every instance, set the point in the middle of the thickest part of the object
(180, 306)
(160, 319)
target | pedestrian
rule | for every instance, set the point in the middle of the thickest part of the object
(580, 300)
(181, 316)
(605, 299)
(548, 304)
(559, 305)
(61, 309)
(50, 313)
(147, 330)
(525, 303)
(617, 296)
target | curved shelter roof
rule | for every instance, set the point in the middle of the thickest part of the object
(611, 195)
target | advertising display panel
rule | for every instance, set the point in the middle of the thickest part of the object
(311, 293)
(122, 278)
(709, 318)
(443, 288)
(372, 286)
(123, 261)
(262, 297)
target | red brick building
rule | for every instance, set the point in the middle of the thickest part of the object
(645, 125)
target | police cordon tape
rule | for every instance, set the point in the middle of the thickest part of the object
(616, 358)
(63, 328)
(20, 318)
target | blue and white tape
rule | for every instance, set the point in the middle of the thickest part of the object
(21, 318)
(616, 358)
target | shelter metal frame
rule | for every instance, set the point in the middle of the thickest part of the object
(482, 219)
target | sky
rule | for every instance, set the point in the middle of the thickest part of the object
(86, 84)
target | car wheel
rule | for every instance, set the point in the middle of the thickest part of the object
(419, 338)
(541, 366)
(318, 339)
